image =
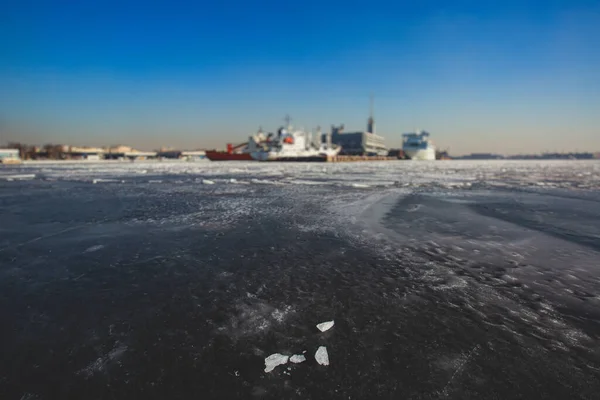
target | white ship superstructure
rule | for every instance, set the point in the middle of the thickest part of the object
(293, 144)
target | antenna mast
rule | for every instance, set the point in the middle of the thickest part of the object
(371, 121)
(288, 119)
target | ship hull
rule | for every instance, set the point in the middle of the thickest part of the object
(225, 156)
(427, 154)
(300, 156)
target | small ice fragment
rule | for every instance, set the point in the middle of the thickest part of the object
(274, 360)
(207, 182)
(321, 356)
(325, 326)
(297, 358)
(233, 180)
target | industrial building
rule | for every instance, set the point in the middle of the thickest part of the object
(9, 156)
(358, 143)
(85, 153)
(366, 143)
(170, 154)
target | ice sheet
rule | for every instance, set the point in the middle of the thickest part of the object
(443, 174)
(454, 278)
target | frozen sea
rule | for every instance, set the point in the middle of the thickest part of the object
(446, 280)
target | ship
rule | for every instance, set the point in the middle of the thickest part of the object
(418, 146)
(240, 152)
(297, 145)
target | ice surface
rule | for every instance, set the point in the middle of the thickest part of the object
(454, 175)
(477, 252)
(18, 177)
(297, 358)
(325, 326)
(254, 317)
(274, 360)
(321, 356)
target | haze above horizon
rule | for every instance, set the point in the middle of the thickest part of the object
(508, 77)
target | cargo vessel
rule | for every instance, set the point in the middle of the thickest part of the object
(296, 145)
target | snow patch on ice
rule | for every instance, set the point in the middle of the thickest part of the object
(100, 364)
(94, 248)
(95, 181)
(266, 182)
(256, 318)
(280, 315)
(20, 177)
(310, 183)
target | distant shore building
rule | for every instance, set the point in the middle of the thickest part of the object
(121, 152)
(553, 156)
(119, 149)
(480, 156)
(170, 154)
(442, 155)
(86, 153)
(10, 156)
(398, 153)
(195, 155)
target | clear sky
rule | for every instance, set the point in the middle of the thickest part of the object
(495, 76)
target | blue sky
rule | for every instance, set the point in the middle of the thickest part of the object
(498, 76)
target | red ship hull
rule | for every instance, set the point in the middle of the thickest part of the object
(225, 156)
